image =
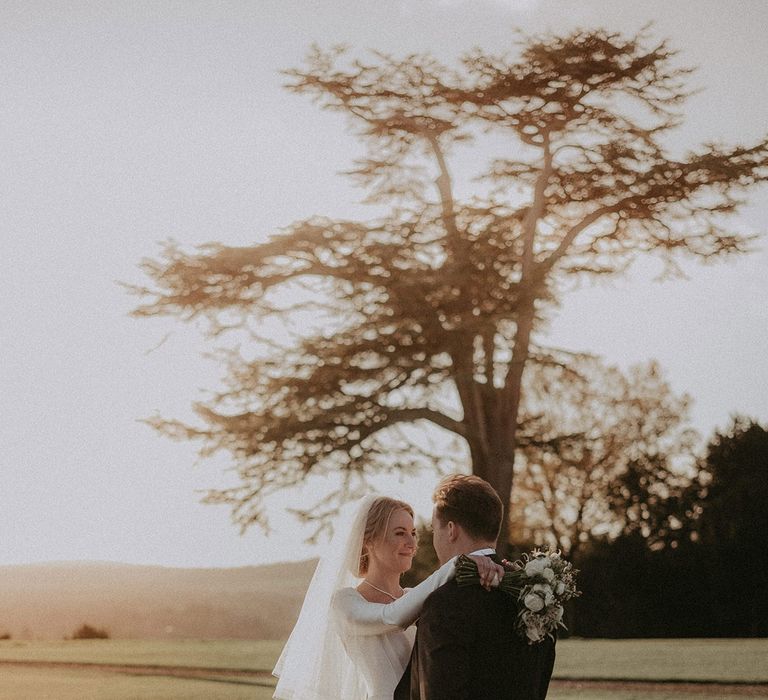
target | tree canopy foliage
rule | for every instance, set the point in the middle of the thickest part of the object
(628, 470)
(438, 302)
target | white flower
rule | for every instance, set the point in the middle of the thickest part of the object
(537, 566)
(532, 567)
(548, 574)
(559, 588)
(545, 591)
(533, 602)
(558, 613)
(533, 634)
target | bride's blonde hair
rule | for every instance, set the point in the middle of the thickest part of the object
(376, 524)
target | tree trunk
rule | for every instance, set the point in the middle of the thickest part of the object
(506, 430)
(503, 486)
(491, 418)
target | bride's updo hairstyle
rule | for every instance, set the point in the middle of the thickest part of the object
(376, 525)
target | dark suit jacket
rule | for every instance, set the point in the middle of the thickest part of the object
(467, 649)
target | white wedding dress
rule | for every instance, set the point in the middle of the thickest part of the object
(342, 646)
(375, 635)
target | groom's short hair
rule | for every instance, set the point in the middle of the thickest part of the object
(470, 502)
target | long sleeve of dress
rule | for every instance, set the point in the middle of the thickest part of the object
(364, 618)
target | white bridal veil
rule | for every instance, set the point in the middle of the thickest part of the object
(314, 664)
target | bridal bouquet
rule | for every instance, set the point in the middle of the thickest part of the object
(541, 581)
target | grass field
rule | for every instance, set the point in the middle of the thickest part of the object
(234, 654)
(695, 660)
(664, 659)
(18, 683)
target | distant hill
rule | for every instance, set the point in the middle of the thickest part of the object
(50, 601)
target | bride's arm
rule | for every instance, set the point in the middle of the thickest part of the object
(374, 618)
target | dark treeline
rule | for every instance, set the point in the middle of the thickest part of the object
(705, 577)
(709, 576)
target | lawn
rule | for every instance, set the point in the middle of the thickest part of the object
(664, 659)
(232, 654)
(19, 683)
(723, 660)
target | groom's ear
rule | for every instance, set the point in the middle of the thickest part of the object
(453, 531)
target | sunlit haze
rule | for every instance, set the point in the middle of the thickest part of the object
(124, 124)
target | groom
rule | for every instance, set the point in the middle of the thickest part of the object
(466, 644)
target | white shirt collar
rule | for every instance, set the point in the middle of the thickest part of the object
(487, 550)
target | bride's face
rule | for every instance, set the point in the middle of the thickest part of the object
(395, 549)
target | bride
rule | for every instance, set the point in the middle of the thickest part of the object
(351, 640)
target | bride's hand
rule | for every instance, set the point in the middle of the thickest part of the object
(490, 572)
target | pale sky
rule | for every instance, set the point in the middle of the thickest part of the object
(123, 124)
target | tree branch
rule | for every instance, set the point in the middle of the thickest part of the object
(408, 415)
